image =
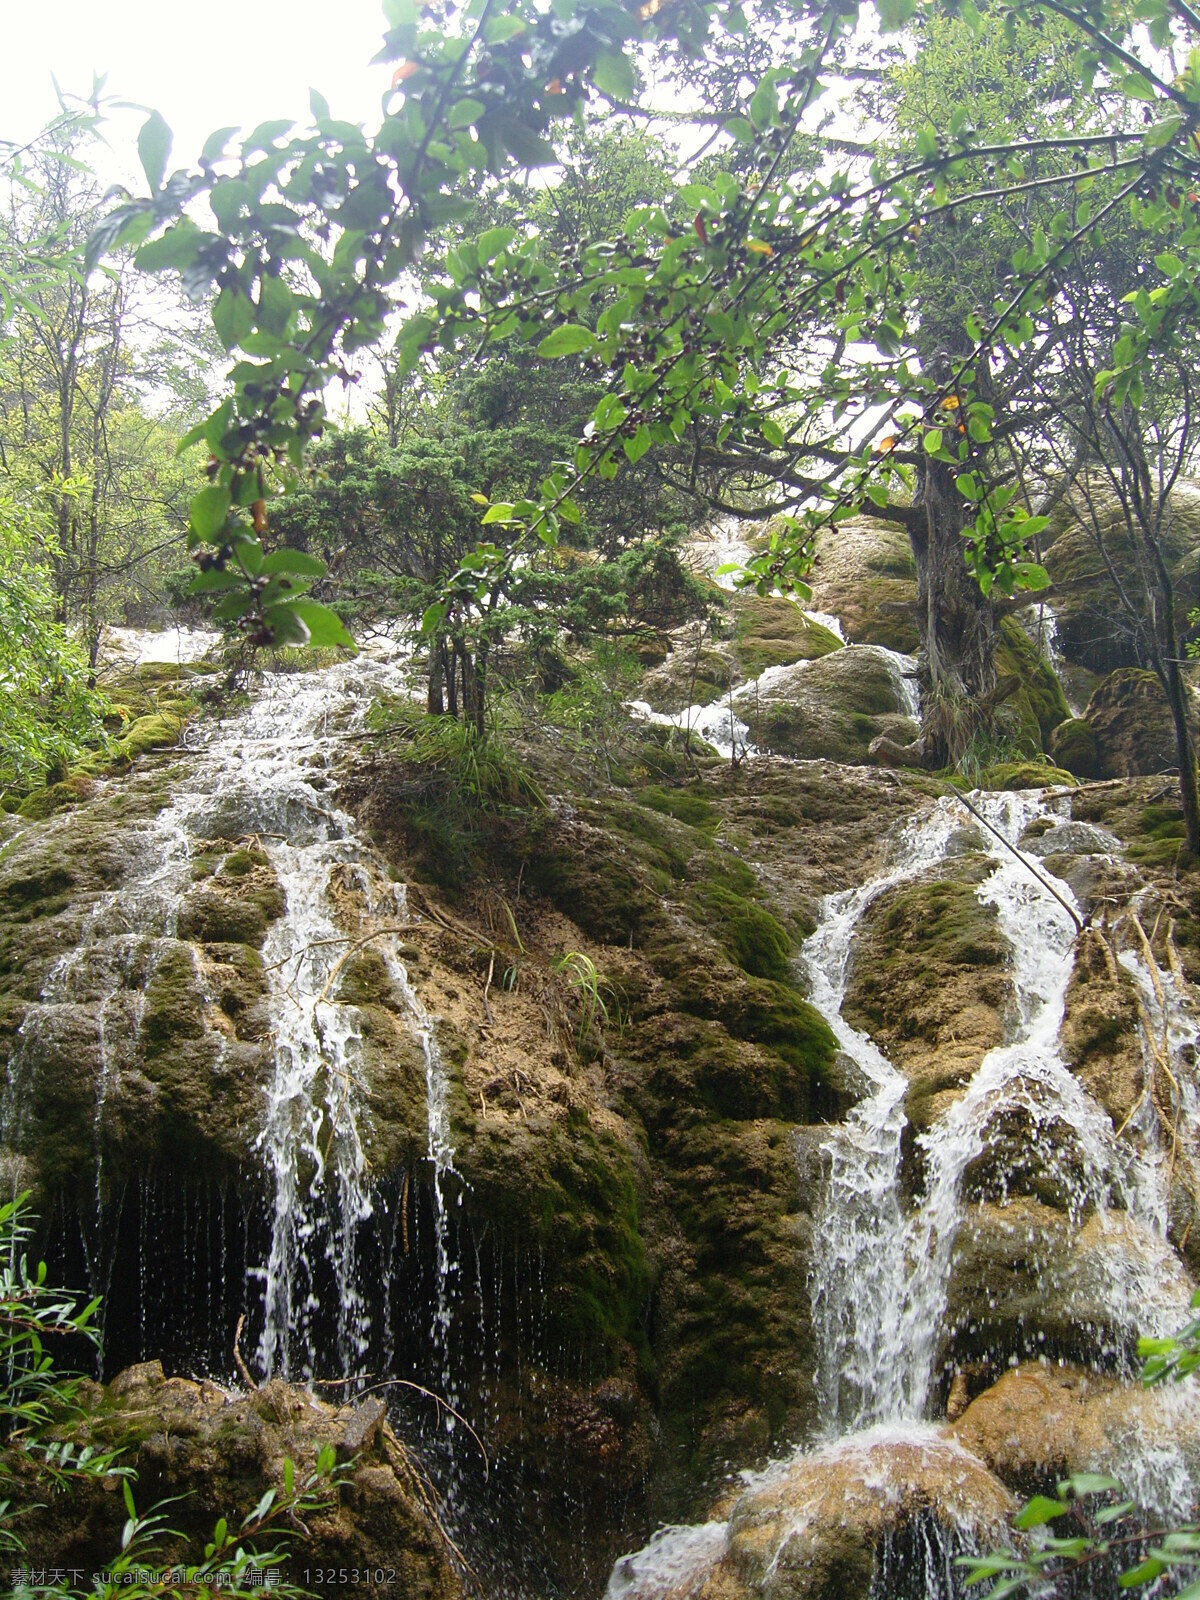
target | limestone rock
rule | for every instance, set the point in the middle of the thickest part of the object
(829, 709)
(822, 1525)
(1093, 630)
(864, 573)
(214, 1453)
(1041, 1422)
(1129, 716)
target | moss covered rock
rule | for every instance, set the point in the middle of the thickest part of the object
(1093, 629)
(1039, 704)
(1073, 746)
(771, 631)
(865, 575)
(1131, 722)
(929, 980)
(829, 709)
(213, 1454)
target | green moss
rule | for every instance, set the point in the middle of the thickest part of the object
(1073, 747)
(242, 861)
(756, 941)
(157, 731)
(576, 1204)
(939, 921)
(685, 805)
(770, 631)
(1039, 705)
(1021, 775)
(56, 797)
(1160, 837)
(830, 709)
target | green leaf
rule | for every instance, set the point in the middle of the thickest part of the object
(318, 105)
(503, 27)
(434, 616)
(764, 105)
(1145, 1572)
(500, 512)
(614, 76)
(174, 250)
(293, 561)
(636, 447)
(933, 441)
(208, 510)
(232, 315)
(324, 629)
(1041, 1509)
(1082, 1483)
(154, 146)
(773, 433)
(492, 243)
(568, 340)
(275, 306)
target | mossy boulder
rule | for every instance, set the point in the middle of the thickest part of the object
(1023, 775)
(1101, 1032)
(865, 575)
(828, 709)
(697, 672)
(1027, 1280)
(1131, 721)
(159, 730)
(1093, 627)
(1039, 704)
(929, 980)
(1074, 747)
(753, 937)
(770, 631)
(43, 803)
(1041, 1422)
(237, 904)
(213, 1454)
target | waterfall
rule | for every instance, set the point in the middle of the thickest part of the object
(881, 1261)
(264, 775)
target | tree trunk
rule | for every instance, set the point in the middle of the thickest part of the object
(436, 701)
(957, 621)
(1189, 794)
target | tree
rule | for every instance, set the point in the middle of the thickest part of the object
(684, 307)
(80, 350)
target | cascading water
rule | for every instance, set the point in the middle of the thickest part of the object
(262, 775)
(881, 1264)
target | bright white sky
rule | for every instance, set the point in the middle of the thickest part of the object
(204, 66)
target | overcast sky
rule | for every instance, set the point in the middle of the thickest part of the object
(204, 65)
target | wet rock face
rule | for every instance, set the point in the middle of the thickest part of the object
(756, 632)
(829, 1525)
(134, 1039)
(1041, 1422)
(864, 573)
(1101, 1033)
(830, 709)
(214, 1453)
(929, 980)
(1092, 628)
(1131, 722)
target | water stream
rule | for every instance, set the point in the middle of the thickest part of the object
(881, 1259)
(264, 776)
